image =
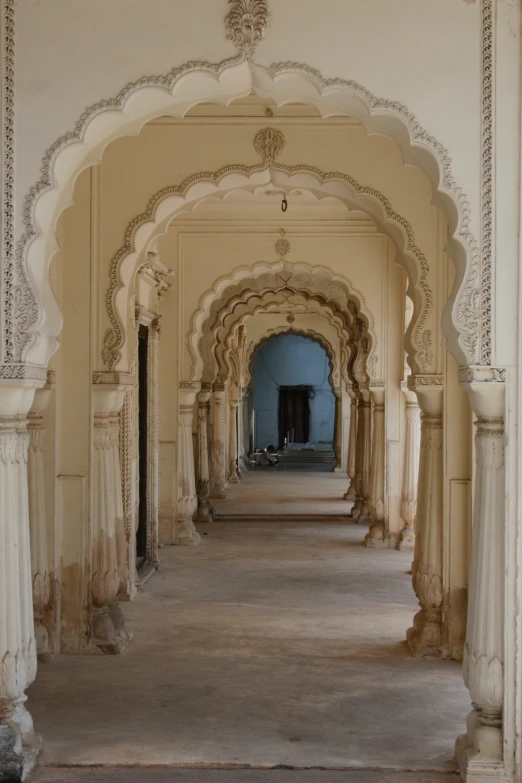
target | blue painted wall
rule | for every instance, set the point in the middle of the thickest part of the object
(292, 360)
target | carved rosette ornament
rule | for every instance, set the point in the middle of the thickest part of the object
(246, 24)
(269, 143)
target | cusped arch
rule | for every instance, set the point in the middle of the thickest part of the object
(253, 284)
(172, 201)
(36, 315)
(309, 333)
(270, 302)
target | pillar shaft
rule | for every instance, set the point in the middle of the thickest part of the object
(377, 535)
(365, 515)
(233, 477)
(187, 497)
(42, 575)
(424, 638)
(352, 446)
(411, 472)
(338, 429)
(204, 504)
(217, 446)
(480, 751)
(359, 459)
(18, 742)
(107, 523)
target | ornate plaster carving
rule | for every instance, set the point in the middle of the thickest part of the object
(246, 24)
(282, 248)
(486, 179)
(466, 310)
(269, 143)
(8, 176)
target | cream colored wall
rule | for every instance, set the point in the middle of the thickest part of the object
(372, 43)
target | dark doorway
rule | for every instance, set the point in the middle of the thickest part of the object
(143, 401)
(294, 414)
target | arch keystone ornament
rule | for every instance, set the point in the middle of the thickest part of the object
(246, 24)
(269, 143)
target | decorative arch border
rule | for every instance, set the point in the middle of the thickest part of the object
(170, 201)
(175, 93)
(245, 274)
(266, 304)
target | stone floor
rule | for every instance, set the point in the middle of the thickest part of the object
(268, 645)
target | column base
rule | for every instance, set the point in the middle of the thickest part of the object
(233, 478)
(19, 744)
(407, 542)
(424, 637)
(109, 632)
(349, 494)
(357, 508)
(45, 653)
(476, 766)
(187, 534)
(205, 512)
(376, 537)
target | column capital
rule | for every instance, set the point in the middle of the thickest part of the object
(378, 396)
(17, 397)
(188, 391)
(486, 392)
(108, 399)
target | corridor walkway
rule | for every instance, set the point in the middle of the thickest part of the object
(269, 644)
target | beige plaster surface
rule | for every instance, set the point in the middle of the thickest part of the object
(269, 644)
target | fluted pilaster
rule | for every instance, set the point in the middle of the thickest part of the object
(411, 471)
(424, 637)
(377, 536)
(217, 445)
(187, 497)
(109, 633)
(204, 504)
(352, 446)
(18, 742)
(480, 751)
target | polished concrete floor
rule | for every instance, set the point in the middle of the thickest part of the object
(268, 645)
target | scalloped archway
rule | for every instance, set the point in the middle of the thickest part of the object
(36, 317)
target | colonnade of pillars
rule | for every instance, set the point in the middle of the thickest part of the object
(27, 584)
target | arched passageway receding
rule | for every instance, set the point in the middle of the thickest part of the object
(195, 448)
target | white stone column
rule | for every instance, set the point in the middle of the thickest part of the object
(359, 458)
(410, 479)
(377, 536)
(217, 444)
(108, 546)
(18, 743)
(425, 636)
(338, 429)
(43, 578)
(365, 515)
(204, 504)
(352, 445)
(153, 443)
(480, 751)
(187, 497)
(233, 477)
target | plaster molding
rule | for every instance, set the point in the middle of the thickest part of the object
(221, 81)
(113, 378)
(269, 143)
(246, 24)
(7, 174)
(487, 187)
